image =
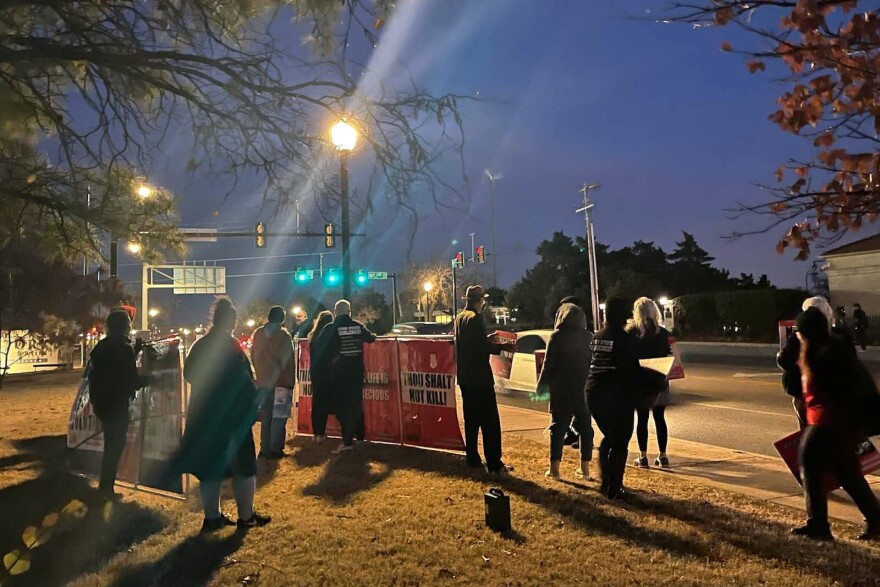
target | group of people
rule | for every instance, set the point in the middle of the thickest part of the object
(230, 392)
(836, 403)
(584, 376)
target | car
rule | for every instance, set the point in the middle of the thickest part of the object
(518, 371)
(420, 328)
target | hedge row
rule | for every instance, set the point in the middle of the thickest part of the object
(751, 313)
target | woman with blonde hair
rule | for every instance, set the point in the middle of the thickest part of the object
(321, 374)
(652, 341)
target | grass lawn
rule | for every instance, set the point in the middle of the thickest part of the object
(398, 516)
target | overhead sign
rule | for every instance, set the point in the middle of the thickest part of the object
(202, 235)
(377, 274)
(199, 280)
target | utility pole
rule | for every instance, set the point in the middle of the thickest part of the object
(473, 248)
(346, 235)
(493, 177)
(591, 249)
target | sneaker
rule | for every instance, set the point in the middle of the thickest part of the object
(662, 462)
(813, 533)
(256, 520)
(500, 470)
(342, 449)
(217, 523)
(641, 462)
(318, 439)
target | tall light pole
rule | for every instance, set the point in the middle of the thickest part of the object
(591, 250)
(344, 137)
(493, 177)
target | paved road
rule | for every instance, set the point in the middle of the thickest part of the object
(741, 407)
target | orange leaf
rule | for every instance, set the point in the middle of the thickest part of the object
(802, 171)
(780, 246)
(725, 46)
(826, 139)
(380, 22)
(779, 173)
(755, 65)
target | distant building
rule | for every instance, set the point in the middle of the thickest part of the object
(854, 274)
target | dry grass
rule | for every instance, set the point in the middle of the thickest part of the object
(396, 516)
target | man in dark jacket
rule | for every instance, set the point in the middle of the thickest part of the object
(563, 377)
(860, 326)
(472, 350)
(346, 352)
(113, 380)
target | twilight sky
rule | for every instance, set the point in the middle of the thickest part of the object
(674, 129)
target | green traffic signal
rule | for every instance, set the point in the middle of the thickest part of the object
(332, 278)
(302, 276)
(361, 278)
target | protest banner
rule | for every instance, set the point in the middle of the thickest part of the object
(381, 396)
(427, 392)
(155, 429)
(869, 458)
(677, 371)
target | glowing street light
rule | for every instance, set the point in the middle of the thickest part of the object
(144, 191)
(134, 248)
(427, 286)
(153, 312)
(344, 137)
(663, 300)
(251, 323)
(297, 310)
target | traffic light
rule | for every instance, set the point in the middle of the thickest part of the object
(260, 233)
(332, 278)
(481, 254)
(361, 278)
(302, 276)
(329, 237)
(458, 262)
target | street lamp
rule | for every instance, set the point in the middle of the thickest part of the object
(144, 191)
(153, 312)
(134, 248)
(344, 137)
(427, 286)
(663, 300)
(251, 323)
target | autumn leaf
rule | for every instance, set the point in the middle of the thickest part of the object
(17, 562)
(725, 46)
(379, 23)
(723, 16)
(778, 207)
(796, 186)
(780, 246)
(755, 65)
(32, 537)
(802, 171)
(826, 139)
(780, 171)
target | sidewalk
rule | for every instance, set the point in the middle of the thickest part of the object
(757, 476)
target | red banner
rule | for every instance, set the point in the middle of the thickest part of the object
(427, 392)
(381, 392)
(869, 458)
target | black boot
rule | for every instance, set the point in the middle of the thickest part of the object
(617, 465)
(604, 469)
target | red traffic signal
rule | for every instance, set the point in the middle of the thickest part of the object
(458, 262)
(481, 254)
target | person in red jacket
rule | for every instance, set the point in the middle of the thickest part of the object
(828, 446)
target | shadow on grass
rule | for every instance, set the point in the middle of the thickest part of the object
(348, 474)
(192, 562)
(47, 451)
(86, 544)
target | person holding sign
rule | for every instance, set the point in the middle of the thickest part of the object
(563, 377)
(218, 442)
(472, 350)
(272, 353)
(652, 341)
(612, 392)
(829, 373)
(113, 380)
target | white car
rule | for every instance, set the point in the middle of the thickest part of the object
(519, 371)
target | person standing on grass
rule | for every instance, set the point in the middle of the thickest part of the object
(272, 353)
(321, 374)
(612, 388)
(472, 350)
(113, 380)
(346, 352)
(303, 325)
(829, 442)
(652, 341)
(563, 377)
(572, 438)
(860, 326)
(787, 358)
(218, 442)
